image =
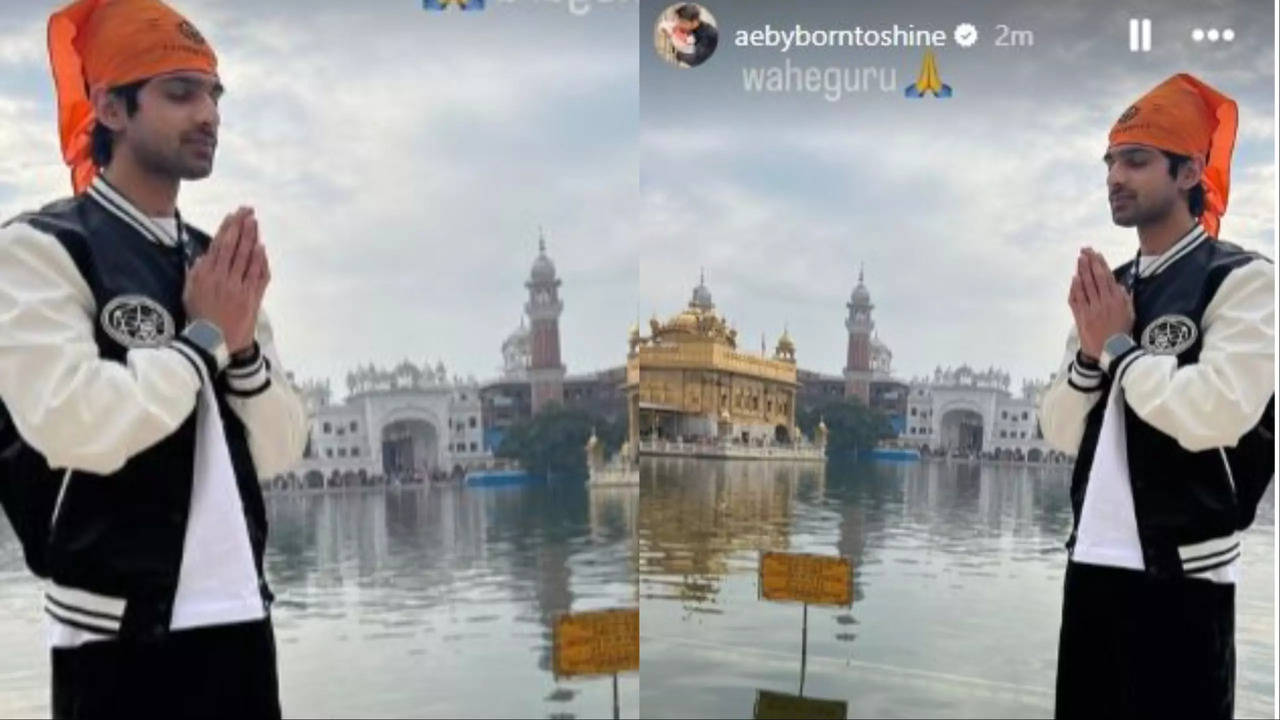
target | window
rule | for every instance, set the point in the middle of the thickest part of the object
(473, 447)
(353, 426)
(1003, 434)
(328, 452)
(913, 412)
(355, 452)
(1004, 414)
(464, 397)
(471, 421)
(327, 428)
(1024, 414)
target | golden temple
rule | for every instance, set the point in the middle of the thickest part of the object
(688, 382)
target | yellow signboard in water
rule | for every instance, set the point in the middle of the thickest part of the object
(599, 642)
(814, 579)
(780, 706)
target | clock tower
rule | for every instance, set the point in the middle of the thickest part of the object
(857, 370)
(546, 372)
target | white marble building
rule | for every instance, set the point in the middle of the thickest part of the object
(974, 411)
(409, 419)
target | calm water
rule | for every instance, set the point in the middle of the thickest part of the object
(423, 602)
(957, 589)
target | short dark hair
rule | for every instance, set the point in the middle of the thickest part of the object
(103, 137)
(688, 11)
(1195, 198)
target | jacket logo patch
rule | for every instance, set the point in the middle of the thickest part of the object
(1169, 335)
(137, 321)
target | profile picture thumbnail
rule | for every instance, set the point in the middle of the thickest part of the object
(686, 35)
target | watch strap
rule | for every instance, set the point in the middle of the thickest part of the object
(205, 340)
(1116, 351)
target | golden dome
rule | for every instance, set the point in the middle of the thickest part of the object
(786, 348)
(686, 321)
(698, 319)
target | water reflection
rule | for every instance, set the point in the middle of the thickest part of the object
(691, 530)
(957, 589)
(426, 602)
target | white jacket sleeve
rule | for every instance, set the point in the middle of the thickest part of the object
(1067, 401)
(272, 412)
(1216, 400)
(77, 409)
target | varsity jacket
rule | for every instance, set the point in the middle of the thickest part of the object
(1194, 385)
(99, 379)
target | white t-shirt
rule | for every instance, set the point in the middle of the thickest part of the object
(1108, 532)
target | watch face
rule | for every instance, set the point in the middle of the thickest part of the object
(1115, 346)
(206, 335)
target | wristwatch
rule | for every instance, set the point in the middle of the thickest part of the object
(1114, 347)
(208, 337)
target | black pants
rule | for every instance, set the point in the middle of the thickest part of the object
(1134, 646)
(225, 671)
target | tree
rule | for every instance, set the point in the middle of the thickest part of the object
(852, 427)
(553, 442)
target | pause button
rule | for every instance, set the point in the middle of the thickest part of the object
(1139, 34)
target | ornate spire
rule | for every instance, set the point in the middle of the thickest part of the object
(542, 240)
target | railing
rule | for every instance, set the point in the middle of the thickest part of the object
(732, 450)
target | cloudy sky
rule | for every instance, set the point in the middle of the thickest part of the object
(967, 212)
(400, 162)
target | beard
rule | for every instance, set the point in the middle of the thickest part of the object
(180, 161)
(1135, 213)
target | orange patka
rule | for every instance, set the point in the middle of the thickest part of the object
(1185, 116)
(107, 43)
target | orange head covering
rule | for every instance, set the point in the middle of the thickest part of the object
(1183, 115)
(106, 43)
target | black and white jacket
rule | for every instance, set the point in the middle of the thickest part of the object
(99, 379)
(1197, 380)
